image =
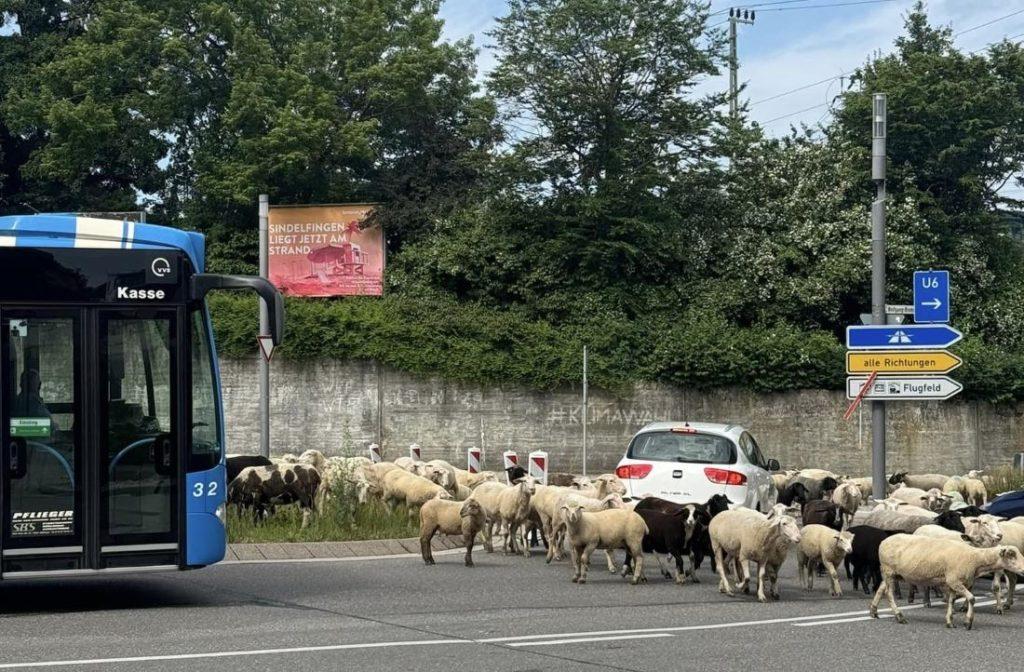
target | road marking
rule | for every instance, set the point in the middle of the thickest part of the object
(983, 603)
(229, 654)
(357, 558)
(579, 640)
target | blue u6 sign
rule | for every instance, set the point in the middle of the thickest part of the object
(931, 297)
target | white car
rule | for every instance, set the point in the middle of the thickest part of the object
(688, 462)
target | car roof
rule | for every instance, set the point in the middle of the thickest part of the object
(731, 430)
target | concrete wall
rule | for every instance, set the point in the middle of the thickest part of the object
(340, 407)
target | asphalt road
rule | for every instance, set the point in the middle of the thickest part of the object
(507, 613)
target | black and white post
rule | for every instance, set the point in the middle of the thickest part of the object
(264, 365)
(878, 131)
(585, 404)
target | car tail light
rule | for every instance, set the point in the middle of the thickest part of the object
(683, 430)
(633, 471)
(724, 476)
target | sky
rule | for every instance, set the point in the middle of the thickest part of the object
(790, 48)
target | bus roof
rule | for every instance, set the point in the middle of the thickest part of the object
(69, 230)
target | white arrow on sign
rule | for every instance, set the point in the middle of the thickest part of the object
(935, 303)
(909, 388)
(266, 346)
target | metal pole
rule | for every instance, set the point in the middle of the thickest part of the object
(585, 410)
(878, 128)
(264, 365)
(733, 70)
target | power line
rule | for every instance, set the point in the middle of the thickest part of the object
(793, 114)
(989, 23)
(837, 4)
(801, 88)
(760, 4)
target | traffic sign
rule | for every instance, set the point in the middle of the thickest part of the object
(931, 297)
(903, 337)
(898, 309)
(920, 361)
(911, 388)
(266, 346)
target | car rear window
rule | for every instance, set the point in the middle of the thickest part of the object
(683, 447)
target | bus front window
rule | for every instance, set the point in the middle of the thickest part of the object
(205, 453)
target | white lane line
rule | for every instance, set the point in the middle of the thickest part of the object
(357, 558)
(579, 640)
(230, 654)
(983, 603)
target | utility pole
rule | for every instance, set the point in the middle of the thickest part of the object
(736, 16)
(878, 133)
(585, 404)
(264, 365)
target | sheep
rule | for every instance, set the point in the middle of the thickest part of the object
(514, 510)
(260, 488)
(822, 512)
(489, 496)
(939, 563)
(667, 533)
(314, 458)
(462, 493)
(235, 464)
(572, 497)
(471, 480)
(817, 481)
(895, 521)
(912, 496)
(922, 481)
(408, 464)
(700, 547)
(794, 492)
(448, 517)
(910, 510)
(976, 531)
(1019, 520)
(781, 479)
(744, 536)
(1013, 535)
(608, 530)
(401, 486)
(975, 492)
(604, 485)
(847, 497)
(864, 484)
(820, 544)
(863, 557)
(446, 474)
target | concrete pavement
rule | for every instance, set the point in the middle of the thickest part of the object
(508, 613)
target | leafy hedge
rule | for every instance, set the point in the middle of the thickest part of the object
(474, 343)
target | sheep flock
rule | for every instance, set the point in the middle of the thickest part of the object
(929, 534)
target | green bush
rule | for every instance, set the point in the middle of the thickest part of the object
(465, 341)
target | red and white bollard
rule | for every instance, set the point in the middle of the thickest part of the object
(374, 451)
(414, 451)
(539, 466)
(473, 460)
(509, 459)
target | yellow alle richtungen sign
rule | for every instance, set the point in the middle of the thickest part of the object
(908, 361)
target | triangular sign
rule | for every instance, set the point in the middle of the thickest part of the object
(266, 346)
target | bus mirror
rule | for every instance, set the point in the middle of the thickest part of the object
(203, 283)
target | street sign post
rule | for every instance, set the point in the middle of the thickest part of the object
(910, 361)
(931, 297)
(902, 337)
(896, 388)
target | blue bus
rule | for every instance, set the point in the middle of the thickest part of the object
(111, 422)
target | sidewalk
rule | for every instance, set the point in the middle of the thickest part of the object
(335, 549)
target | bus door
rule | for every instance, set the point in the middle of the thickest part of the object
(42, 437)
(138, 435)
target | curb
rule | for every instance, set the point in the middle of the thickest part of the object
(332, 550)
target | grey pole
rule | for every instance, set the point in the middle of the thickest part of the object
(736, 16)
(585, 400)
(264, 365)
(878, 133)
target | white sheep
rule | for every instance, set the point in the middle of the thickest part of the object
(864, 484)
(489, 496)
(980, 531)
(513, 512)
(400, 486)
(608, 530)
(573, 498)
(744, 536)
(847, 497)
(447, 477)
(471, 480)
(1013, 535)
(448, 517)
(975, 492)
(821, 544)
(951, 566)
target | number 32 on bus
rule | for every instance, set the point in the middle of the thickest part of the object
(111, 420)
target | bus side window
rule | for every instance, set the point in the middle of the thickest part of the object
(205, 452)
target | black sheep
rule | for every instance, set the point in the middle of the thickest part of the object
(822, 512)
(863, 559)
(794, 492)
(235, 464)
(667, 534)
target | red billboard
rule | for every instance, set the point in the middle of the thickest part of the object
(322, 250)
